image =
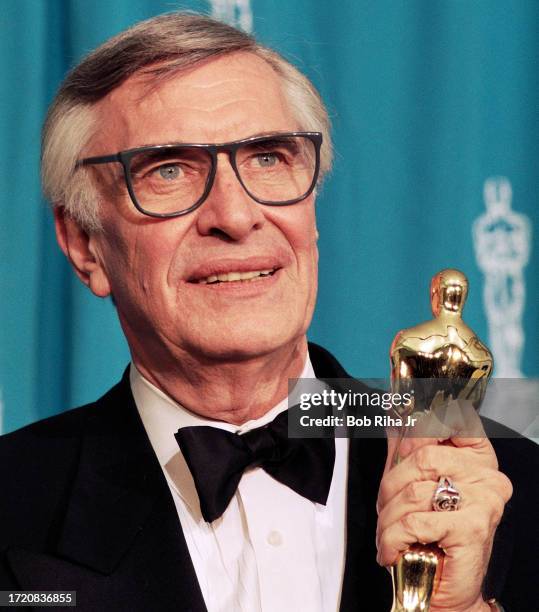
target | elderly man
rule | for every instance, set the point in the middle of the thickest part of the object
(182, 160)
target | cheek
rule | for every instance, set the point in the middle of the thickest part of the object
(131, 262)
(298, 226)
(151, 252)
(303, 239)
(297, 223)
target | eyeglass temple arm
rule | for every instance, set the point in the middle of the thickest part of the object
(103, 159)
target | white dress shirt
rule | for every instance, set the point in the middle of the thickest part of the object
(272, 550)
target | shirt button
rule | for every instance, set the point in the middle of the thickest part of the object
(275, 538)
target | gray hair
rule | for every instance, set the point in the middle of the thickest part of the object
(161, 47)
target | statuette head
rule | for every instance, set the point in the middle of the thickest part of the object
(448, 291)
(497, 193)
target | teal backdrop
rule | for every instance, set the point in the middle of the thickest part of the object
(428, 98)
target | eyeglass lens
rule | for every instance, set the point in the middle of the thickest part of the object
(273, 170)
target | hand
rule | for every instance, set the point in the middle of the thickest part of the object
(405, 514)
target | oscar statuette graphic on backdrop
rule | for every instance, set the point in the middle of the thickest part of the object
(446, 368)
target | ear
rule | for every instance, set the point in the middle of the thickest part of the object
(81, 249)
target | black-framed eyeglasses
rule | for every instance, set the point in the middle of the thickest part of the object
(174, 179)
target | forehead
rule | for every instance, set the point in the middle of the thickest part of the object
(224, 99)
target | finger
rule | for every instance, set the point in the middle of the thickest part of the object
(429, 462)
(398, 447)
(409, 445)
(492, 494)
(414, 497)
(454, 418)
(472, 529)
(481, 445)
(451, 419)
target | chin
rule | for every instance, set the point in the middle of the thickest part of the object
(244, 346)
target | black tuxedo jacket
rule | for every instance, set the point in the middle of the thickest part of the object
(84, 506)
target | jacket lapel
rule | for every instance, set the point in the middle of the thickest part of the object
(121, 540)
(364, 580)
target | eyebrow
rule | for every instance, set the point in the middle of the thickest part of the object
(176, 142)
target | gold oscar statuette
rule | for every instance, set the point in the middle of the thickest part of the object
(456, 367)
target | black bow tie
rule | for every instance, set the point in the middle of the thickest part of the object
(218, 458)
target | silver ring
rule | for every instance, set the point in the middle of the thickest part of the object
(446, 497)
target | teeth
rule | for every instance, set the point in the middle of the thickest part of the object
(235, 276)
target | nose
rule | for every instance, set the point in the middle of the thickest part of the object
(229, 211)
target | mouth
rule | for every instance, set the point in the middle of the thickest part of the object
(237, 272)
(236, 277)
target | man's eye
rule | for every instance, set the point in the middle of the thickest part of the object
(169, 171)
(267, 159)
